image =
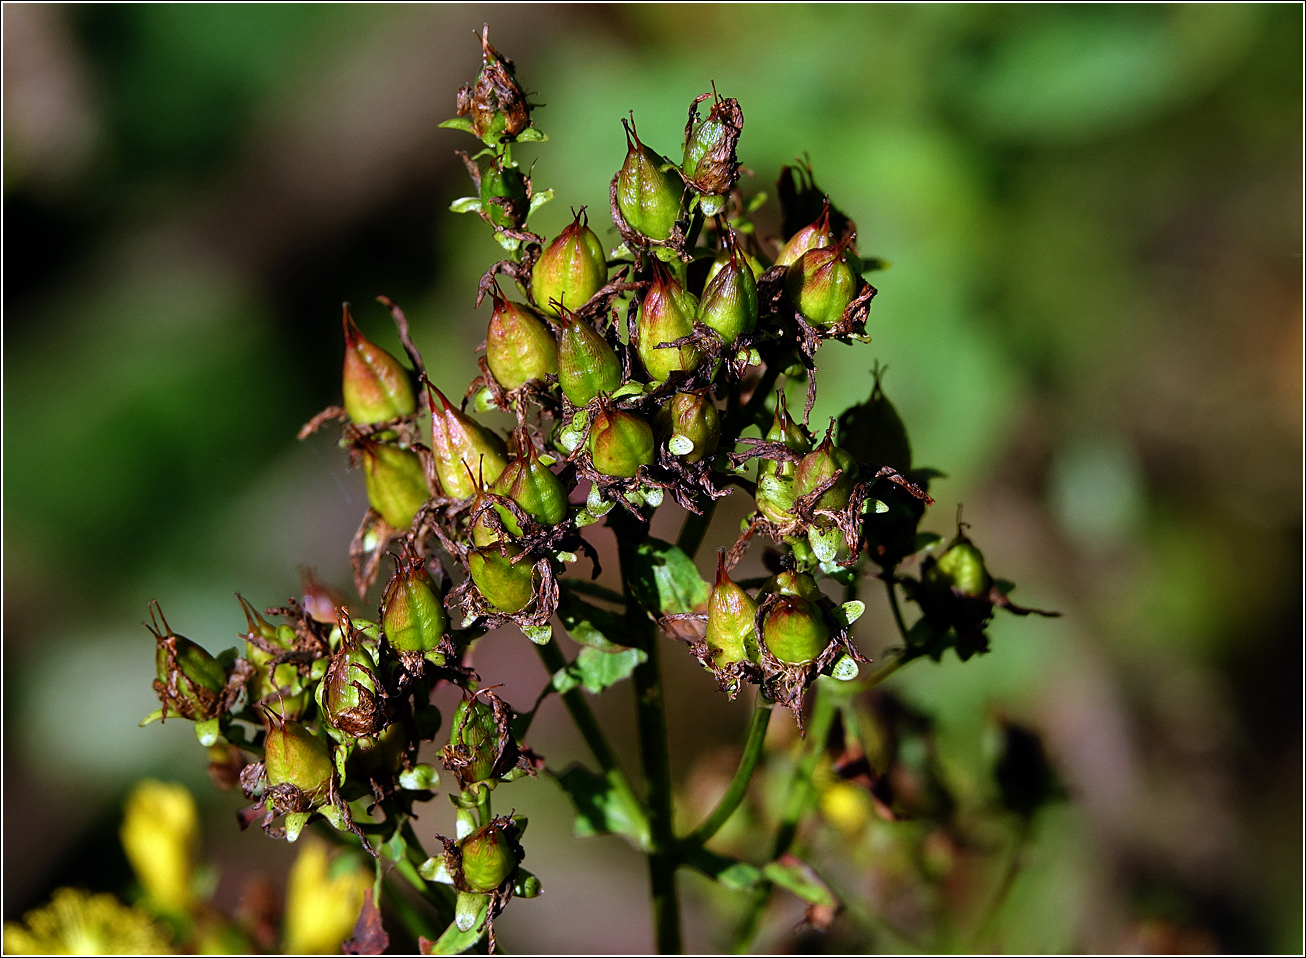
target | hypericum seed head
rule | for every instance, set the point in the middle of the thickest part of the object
(349, 693)
(821, 284)
(666, 314)
(533, 486)
(817, 235)
(518, 346)
(474, 738)
(694, 418)
(818, 466)
(793, 582)
(648, 195)
(188, 678)
(729, 303)
(462, 449)
(961, 569)
(620, 442)
(376, 385)
(795, 631)
(710, 164)
(731, 615)
(412, 611)
(490, 855)
(571, 269)
(503, 195)
(496, 104)
(587, 364)
(396, 482)
(508, 586)
(292, 755)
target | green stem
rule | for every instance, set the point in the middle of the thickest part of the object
(588, 727)
(743, 775)
(796, 805)
(890, 582)
(483, 809)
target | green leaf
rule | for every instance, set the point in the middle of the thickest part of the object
(466, 204)
(458, 123)
(538, 200)
(730, 872)
(531, 135)
(665, 580)
(588, 624)
(454, 941)
(793, 875)
(601, 809)
(597, 670)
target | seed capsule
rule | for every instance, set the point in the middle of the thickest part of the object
(496, 104)
(620, 443)
(666, 314)
(695, 420)
(821, 284)
(587, 365)
(873, 432)
(413, 614)
(817, 467)
(474, 737)
(775, 486)
(295, 756)
(396, 482)
(571, 270)
(503, 195)
(518, 347)
(710, 164)
(462, 449)
(792, 582)
(508, 586)
(533, 486)
(816, 236)
(731, 615)
(648, 195)
(194, 674)
(795, 631)
(490, 855)
(961, 569)
(729, 304)
(376, 385)
(348, 694)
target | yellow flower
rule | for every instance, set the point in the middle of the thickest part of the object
(79, 923)
(320, 909)
(160, 834)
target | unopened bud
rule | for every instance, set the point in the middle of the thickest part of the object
(620, 442)
(731, 614)
(396, 482)
(666, 314)
(648, 194)
(587, 364)
(518, 347)
(570, 270)
(961, 569)
(474, 740)
(691, 425)
(821, 284)
(463, 450)
(376, 385)
(503, 195)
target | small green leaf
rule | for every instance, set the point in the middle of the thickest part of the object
(458, 123)
(419, 777)
(466, 204)
(539, 634)
(455, 941)
(531, 134)
(435, 869)
(597, 670)
(469, 911)
(601, 809)
(588, 624)
(538, 200)
(793, 875)
(664, 580)
(845, 669)
(730, 872)
(923, 541)
(850, 612)
(680, 445)
(154, 716)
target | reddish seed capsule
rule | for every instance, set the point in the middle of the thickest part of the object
(587, 365)
(731, 614)
(795, 631)
(396, 482)
(376, 385)
(817, 467)
(570, 270)
(695, 420)
(295, 756)
(648, 195)
(729, 304)
(489, 856)
(666, 314)
(533, 486)
(815, 236)
(821, 284)
(620, 443)
(518, 347)
(463, 450)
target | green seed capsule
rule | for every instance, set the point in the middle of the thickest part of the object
(587, 365)
(792, 582)
(795, 631)
(710, 164)
(376, 385)
(775, 484)
(817, 467)
(508, 187)
(961, 568)
(873, 432)
(518, 347)
(821, 284)
(816, 236)
(648, 195)
(695, 420)
(496, 104)
(475, 734)
(196, 676)
(348, 693)
(293, 755)
(731, 614)
(666, 314)
(463, 450)
(620, 443)
(729, 304)
(396, 482)
(755, 265)
(506, 585)
(412, 612)
(533, 486)
(489, 856)
(571, 270)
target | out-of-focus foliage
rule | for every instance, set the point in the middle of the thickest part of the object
(1092, 317)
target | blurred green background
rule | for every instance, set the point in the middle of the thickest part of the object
(1092, 322)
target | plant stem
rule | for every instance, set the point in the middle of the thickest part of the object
(889, 583)
(483, 811)
(796, 802)
(588, 726)
(695, 527)
(743, 775)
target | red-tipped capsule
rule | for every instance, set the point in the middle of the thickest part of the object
(490, 855)
(533, 486)
(666, 314)
(731, 629)
(587, 365)
(570, 270)
(821, 284)
(412, 612)
(817, 467)
(691, 425)
(508, 586)
(293, 755)
(814, 236)
(620, 443)
(648, 194)
(729, 303)
(376, 385)
(462, 449)
(518, 347)
(396, 482)
(795, 631)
